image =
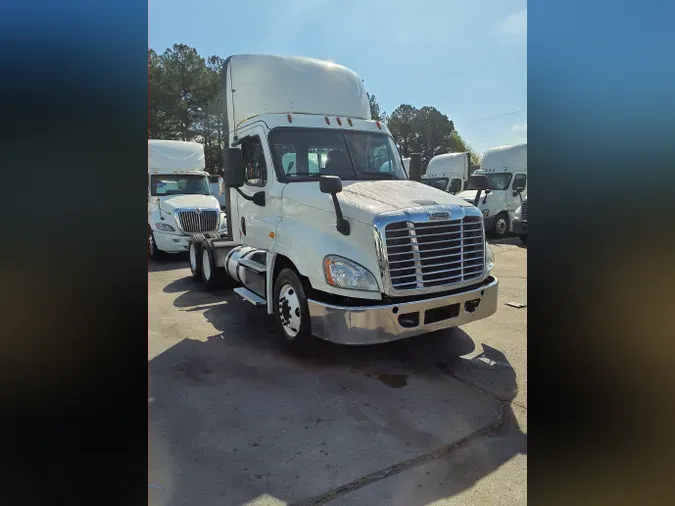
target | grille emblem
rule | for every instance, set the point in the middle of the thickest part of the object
(444, 215)
(199, 211)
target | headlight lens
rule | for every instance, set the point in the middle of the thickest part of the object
(489, 258)
(164, 227)
(519, 213)
(343, 273)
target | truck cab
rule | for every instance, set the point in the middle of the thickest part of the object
(326, 231)
(506, 168)
(448, 172)
(180, 202)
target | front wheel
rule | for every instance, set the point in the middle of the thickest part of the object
(291, 308)
(153, 252)
(501, 225)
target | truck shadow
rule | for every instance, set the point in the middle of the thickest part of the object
(169, 262)
(511, 241)
(246, 353)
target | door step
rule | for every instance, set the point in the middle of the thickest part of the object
(249, 296)
(253, 265)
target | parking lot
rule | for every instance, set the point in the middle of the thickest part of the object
(236, 419)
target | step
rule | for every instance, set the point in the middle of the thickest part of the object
(248, 295)
(253, 265)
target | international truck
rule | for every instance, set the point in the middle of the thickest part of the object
(506, 168)
(180, 202)
(325, 229)
(448, 172)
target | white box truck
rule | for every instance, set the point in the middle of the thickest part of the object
(448, 172)
(506, 168)
(180, 202)
(321, 235)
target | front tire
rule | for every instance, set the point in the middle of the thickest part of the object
(153, 252)
(291, 309)
(195, 255)
(500, 227)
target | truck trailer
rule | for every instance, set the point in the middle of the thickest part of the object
(325, 230)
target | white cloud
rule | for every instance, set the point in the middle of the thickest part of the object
(515, 24)
(519, 128)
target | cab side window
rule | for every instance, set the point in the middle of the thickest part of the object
(519, 181)
(254, 162)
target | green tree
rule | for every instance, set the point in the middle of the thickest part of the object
(426, 131)
(375, 112)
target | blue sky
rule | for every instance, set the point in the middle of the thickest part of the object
(466, 58)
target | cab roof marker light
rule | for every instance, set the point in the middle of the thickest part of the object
(327, 120)
(378, 125)
(290, 120)
(349, 120)
(339, 121)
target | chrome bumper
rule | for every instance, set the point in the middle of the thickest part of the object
(381, 324)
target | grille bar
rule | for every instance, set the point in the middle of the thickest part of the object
(424, 255)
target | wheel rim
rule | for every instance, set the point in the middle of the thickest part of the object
(289, 310)
(501, 226)
(206, 265)
(193, 258)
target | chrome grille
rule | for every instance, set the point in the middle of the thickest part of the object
(435, 253)
(193, 222)
(524, 210)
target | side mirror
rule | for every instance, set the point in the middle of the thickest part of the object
(479, 182)
(416, 167)
(333, 185)
(330, 184)
(518, 190)
(233, 166)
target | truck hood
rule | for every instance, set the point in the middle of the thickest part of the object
(469, 194)
(363, 200)
(173, 202)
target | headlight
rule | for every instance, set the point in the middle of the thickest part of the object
(164, 227)
(519, 213)
(343, 273)
(489, 258)
(485, 213)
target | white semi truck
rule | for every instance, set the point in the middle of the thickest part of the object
(506, 168)
(448, 172)
(180, 202)
(326, 231)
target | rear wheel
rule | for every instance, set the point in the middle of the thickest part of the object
(291, 308)
(212, 276)
(195, 254)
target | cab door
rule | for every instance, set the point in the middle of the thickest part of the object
(253, 223)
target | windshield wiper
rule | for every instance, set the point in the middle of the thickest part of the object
(380, 175)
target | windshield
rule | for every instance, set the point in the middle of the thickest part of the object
(437, 182)
(179, 184)
(305, 155)
(499, 181)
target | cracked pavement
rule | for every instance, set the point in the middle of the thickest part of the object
(236, 419)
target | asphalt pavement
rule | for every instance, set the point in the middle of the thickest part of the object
(235, 418)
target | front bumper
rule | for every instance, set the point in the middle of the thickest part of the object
(381, 324)
(171, 242)
(519, 227)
